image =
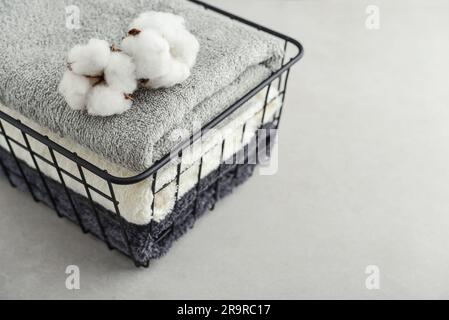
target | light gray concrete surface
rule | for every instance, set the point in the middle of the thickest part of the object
(363, 179)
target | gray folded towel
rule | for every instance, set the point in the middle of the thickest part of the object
(232, 59)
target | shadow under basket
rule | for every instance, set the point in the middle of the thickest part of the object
(143, 243)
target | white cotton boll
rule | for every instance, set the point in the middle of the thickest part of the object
(106, 101)
(184, 46)
(150, 52)
(164, 22)
(120, 72)
(178, 72)
(89, 59)
(75, 88)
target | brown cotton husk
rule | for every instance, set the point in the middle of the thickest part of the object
(115, 49)
(134, 32)
(128, 96)
(98, 80)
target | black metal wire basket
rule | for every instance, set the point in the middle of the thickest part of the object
(110, 226)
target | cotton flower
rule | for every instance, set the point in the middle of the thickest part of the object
(177, 72)
(185, 47)
(105, 101)
(159, 51)
(75, 88)
(183, 44)
(120, 72)
(163, 22)
(89, 59)
(100, 79)
(162, 48)
(150, 52)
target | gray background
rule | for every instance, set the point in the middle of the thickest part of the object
(363, 179)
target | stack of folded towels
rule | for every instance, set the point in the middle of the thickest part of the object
(231, 59)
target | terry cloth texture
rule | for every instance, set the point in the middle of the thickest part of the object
(33, 49)
(149, 241)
